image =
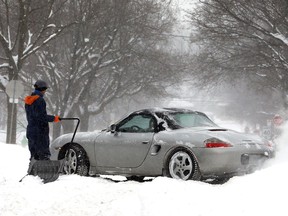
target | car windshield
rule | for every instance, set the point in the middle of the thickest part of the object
(192, 119)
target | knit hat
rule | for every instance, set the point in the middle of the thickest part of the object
(40, 85)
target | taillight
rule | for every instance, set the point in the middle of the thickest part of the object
(216, 143)
(269, 143)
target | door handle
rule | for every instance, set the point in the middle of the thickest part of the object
(145, 142)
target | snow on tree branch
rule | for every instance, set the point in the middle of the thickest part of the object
(280, 37)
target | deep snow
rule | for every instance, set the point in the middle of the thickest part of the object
(261, 193)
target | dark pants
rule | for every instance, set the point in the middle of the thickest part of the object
(38, 143)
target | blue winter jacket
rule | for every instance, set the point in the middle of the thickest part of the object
(37, 128)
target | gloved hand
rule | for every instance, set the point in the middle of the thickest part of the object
(57, 118)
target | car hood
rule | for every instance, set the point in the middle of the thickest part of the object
(83, 136)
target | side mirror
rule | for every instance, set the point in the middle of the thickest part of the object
(113, 128)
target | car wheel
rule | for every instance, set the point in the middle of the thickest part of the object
(76, 161)
(181, 164)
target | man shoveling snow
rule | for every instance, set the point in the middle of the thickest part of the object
(38, 134)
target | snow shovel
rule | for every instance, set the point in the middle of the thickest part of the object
(48, 170)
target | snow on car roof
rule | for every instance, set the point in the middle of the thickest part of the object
(165, 109)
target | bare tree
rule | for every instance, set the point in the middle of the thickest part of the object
(242, 38)
(25, 27)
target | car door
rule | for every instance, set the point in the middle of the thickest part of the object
(129, 145)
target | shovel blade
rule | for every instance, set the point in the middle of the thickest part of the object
(47, 170)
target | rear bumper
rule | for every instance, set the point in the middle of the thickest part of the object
(222, 162)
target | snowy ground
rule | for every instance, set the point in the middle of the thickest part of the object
(262, 193)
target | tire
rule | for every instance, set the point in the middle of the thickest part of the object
(182, 164)
(76, 161)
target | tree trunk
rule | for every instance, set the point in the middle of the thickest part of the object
(84, 124)
(11, 122)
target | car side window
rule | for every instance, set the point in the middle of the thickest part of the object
(137, 124)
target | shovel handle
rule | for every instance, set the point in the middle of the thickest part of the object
(78, 122)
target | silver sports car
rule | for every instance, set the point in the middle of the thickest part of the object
(177, 143)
